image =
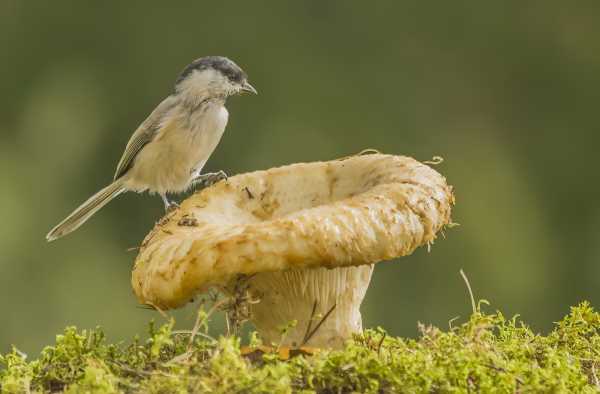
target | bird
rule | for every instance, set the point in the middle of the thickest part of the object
(168, 150)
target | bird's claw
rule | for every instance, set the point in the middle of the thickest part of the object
(220, 176)
(207, 180)
(172, 206)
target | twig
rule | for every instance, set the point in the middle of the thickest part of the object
(198, 322)
(309, 325)
(470, 291)
(319, 324)
(156, 308)
(198, 334)
(249, 193)
(381, 342)
(146, 307)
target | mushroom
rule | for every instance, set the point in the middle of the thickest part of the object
(305, 236)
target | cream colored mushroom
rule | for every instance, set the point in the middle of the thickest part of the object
(306, 235)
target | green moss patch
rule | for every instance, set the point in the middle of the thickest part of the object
(488, 353)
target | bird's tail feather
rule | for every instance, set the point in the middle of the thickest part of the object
(85, 211)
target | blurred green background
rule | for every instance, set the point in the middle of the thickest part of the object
(507, 92)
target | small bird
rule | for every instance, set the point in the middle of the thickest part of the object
(168, 150)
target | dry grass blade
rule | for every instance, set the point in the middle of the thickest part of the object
(462, 273)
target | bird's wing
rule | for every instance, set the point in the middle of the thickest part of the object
(143, 135)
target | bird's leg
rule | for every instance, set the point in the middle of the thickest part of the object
(169, 205)
(208, 179)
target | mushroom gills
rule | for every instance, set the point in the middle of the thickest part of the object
(306, 296)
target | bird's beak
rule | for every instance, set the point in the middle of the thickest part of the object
(246, 87)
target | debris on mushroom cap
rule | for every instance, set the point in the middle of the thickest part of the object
(341, 213)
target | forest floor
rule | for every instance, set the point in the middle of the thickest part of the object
(487, 353)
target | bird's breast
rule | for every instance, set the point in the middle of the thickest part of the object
(182, 146)
(205, 133)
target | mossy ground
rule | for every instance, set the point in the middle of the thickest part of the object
(488, 353)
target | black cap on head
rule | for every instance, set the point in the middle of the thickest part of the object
(219, 63)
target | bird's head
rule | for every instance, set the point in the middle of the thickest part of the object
(213, 76)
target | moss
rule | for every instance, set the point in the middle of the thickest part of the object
(487, 353)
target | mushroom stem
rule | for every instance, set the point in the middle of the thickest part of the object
(307, 296)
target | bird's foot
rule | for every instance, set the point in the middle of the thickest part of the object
(170, 206)
(205, 180)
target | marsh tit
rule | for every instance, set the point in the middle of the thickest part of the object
(168, 150)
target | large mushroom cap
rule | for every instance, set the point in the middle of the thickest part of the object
(340, 213)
